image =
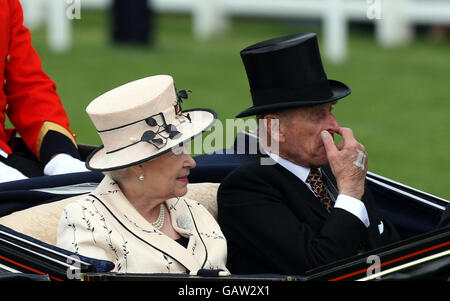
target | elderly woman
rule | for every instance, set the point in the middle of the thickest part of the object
(137, 217)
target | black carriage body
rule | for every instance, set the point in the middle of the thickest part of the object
(424, 252)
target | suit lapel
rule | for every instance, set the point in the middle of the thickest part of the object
(329, 180)
(111, 197)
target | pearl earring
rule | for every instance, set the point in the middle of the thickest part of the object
(141, 178)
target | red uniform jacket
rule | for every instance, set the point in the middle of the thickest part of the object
(28, 96)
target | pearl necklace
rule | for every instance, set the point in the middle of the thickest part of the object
(160, 221)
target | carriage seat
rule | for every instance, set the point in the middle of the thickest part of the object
(41, 222)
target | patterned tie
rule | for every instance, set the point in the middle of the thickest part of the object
(315, 180)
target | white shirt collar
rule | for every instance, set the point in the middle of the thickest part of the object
(299, 171)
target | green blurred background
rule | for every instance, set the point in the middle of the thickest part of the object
(399, 106)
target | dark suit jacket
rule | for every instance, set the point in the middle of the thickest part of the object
(274, 223)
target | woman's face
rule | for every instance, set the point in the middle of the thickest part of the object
(167, 176)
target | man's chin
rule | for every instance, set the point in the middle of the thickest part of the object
(320, 163)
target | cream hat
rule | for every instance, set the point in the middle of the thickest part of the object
(142, 120)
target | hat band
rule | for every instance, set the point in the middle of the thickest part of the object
(155, 130)
(317, 91)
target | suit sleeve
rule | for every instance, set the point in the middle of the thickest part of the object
(264, 235)
(380, 228)
(34, 106)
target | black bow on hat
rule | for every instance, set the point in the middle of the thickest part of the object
(287, 72)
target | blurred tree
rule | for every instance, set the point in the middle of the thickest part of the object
(439, 33)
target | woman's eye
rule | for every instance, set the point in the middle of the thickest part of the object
(177, 151)
(180, 149)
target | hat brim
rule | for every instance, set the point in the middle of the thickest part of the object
(100, 160)
(339, 90)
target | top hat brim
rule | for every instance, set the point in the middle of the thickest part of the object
(101, 160)
(339, 90)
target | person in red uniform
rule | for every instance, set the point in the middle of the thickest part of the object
(30, 101)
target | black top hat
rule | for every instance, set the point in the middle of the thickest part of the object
(287, 72)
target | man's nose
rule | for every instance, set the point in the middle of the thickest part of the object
(332, 125)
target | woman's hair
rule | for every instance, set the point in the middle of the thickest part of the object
(117, 175)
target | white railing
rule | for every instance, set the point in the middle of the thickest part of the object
(393, 18)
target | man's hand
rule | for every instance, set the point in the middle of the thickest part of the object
(348, 162)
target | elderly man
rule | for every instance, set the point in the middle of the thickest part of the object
(311, 206)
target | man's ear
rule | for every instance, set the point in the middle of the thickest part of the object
(275, 128)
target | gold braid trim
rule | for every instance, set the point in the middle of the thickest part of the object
(51, 126)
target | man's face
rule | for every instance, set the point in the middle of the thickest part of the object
(301, 142)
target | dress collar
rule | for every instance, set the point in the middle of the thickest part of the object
(110, 195)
